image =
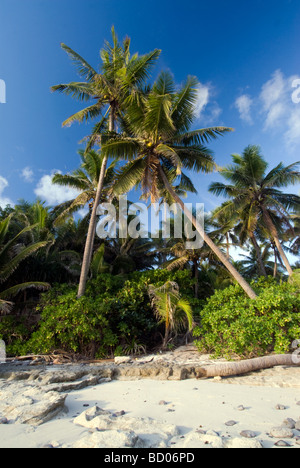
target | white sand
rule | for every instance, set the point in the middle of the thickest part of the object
(197, 403)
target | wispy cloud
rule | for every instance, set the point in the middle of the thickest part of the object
(27, 174)
(54, 194)
(4, 201)
(244, 105)
(207, 110)
(279, 110)
(203, 94)
(274, 99)
(275, 109)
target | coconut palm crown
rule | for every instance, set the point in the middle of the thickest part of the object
(253, 190)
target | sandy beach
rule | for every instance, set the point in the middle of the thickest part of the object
(258, 410)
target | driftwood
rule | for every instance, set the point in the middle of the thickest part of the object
(55, 357)
(244, 367)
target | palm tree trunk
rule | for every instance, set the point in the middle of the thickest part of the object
(274, 234)
(196, 276)
(89, 244)
(275, 266)
(258, 254)
(227, 246)
(237, 276)
(243, 367)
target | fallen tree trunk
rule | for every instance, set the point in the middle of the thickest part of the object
(244, 367)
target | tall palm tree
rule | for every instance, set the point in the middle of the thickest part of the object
(119, 82)
(255, 190)
(161, 141)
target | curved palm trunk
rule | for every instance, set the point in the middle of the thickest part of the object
(237, 276)
(89, 244)
(258, 254)
(274, 234)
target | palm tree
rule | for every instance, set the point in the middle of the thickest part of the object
(128, 255)
(85, 180)
(12, 253)
(255, 191)
(293, 233)
(170, 309)
(59, 260)
(251, 269)
(160, 141)
(119, 83)
(224, 229)
(181, 257)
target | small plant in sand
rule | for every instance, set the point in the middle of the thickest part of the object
(171, 309)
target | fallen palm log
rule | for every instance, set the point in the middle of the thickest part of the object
(244, 367)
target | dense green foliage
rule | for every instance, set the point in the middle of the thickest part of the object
(231, 324)
(115, 316)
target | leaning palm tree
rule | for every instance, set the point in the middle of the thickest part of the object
(119, 81)
(12, 253)
(252, 189)
(160, 141)
(170, 309)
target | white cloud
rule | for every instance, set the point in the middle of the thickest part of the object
(292, 135)
(83, 211)
(203, 94)
(274, 106)
(27, 174)
(244, 104)
(274, 97)
(4, 201)
(54, 194)
(206, 110)
(279, 110)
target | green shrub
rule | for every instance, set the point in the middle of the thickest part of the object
(232, 324)
(15, 331)
(114, 317)
(295, 279)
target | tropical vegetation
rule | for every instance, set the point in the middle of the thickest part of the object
(64, 288)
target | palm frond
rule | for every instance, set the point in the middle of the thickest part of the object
(80, 91)
(14, 290)
(129, 176)
(282, 176)
(202, 136)
(7, 269)
(90, 112)
(83, 67)
(138, 68)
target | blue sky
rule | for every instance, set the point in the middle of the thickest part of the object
(245, 55)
